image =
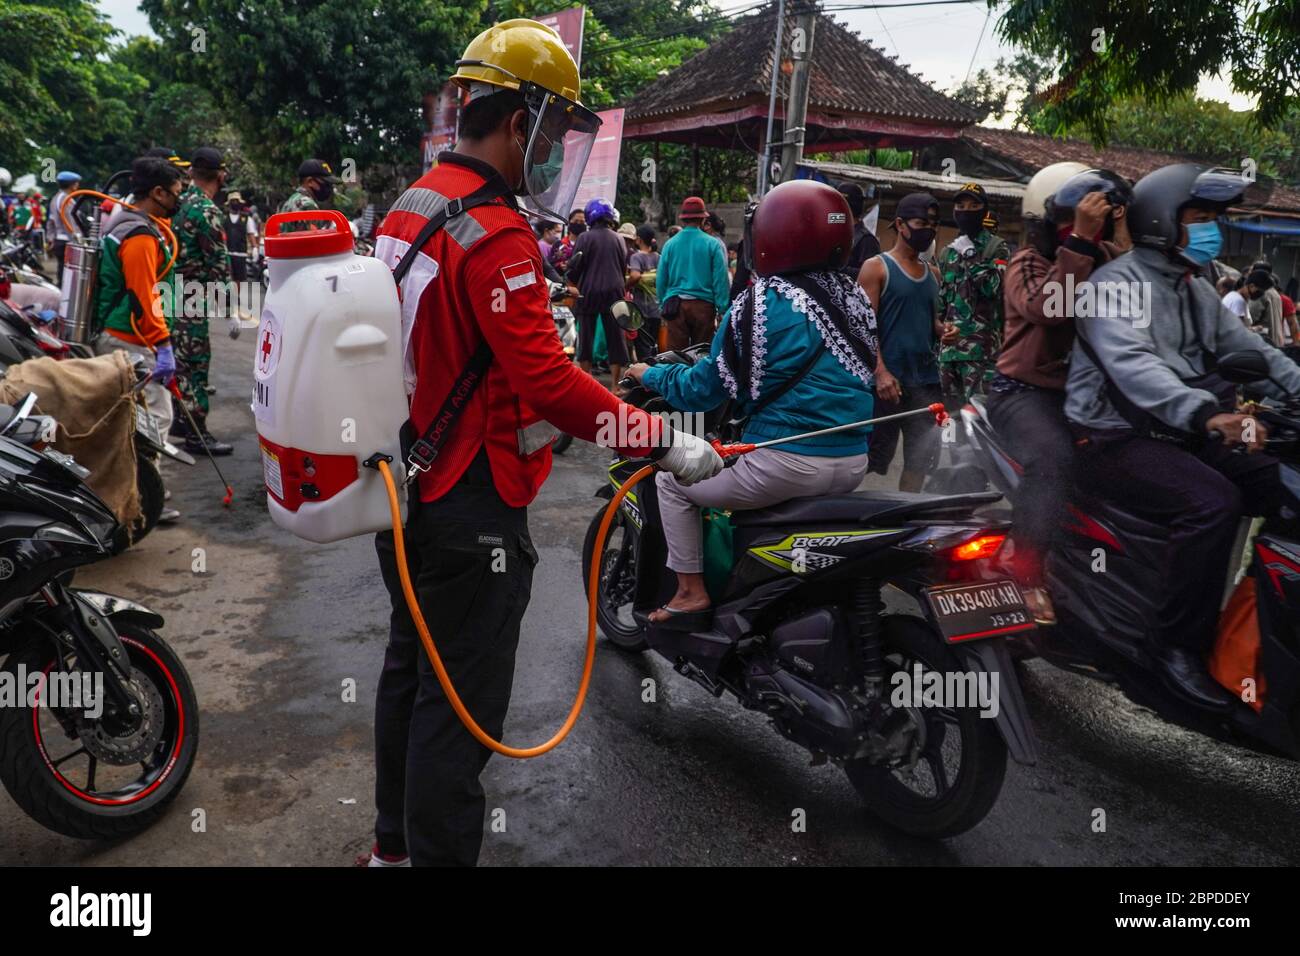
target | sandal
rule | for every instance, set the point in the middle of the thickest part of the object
(681, 620)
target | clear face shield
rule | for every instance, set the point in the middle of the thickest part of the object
(561, 134)
(560, 140)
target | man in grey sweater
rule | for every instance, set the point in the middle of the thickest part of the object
(1153, 421)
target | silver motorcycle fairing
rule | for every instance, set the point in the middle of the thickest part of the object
(110, 606)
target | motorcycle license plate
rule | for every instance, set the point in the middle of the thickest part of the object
(967, 612)
(147, 425)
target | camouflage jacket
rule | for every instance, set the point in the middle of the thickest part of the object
(299, 199)
(200, 230)
(970, 296)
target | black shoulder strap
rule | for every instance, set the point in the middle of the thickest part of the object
(488, 192)
(789, 383)
(425, 449)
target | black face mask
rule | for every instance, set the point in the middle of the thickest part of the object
(920, 239)
(969, 221)
(577, 228)
(324, 191)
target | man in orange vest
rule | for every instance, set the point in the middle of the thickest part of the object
(489, 384)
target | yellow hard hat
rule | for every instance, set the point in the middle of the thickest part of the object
(516, 52)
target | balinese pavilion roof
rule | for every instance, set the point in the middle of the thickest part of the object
(858, 96)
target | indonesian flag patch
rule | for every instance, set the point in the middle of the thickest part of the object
(518, 275)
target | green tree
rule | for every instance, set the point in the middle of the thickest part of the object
(1156, 51)
(339, 81)
(1012, 88)
(55, 79)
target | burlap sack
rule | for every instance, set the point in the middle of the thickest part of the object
(91, 400)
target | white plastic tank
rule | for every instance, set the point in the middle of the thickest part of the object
(327, 380)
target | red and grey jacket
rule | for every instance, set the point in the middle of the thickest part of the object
(480, 278)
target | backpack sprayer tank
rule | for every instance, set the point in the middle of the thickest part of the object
(328, 387)
(80, 275)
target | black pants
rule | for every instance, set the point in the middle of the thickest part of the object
(56, 250)
(920, 435)
(471, 562)
(1199, 496)
(615, 340)
(238, 268)
(1031, 425)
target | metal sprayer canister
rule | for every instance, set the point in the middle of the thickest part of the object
(80, 272)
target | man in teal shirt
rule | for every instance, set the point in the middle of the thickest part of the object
(692, 281)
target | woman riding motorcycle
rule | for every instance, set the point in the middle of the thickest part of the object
(795, 351)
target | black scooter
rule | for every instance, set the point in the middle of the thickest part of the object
(800, 633)
(100, 725)
(1103, 620)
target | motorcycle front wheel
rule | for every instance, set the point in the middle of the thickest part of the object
(84, 776)
(617, 581)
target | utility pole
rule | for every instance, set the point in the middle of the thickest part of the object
(765, 160)
(796, 114)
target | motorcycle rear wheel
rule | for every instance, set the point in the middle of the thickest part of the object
(149, 481)
(961, 797)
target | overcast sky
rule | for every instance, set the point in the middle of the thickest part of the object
(938, 42)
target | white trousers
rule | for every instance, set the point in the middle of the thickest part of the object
(760, 479)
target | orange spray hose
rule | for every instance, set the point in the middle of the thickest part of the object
(162, 223)
(593, 589)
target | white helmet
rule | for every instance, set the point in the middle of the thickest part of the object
(1043, 186)
(5, 178)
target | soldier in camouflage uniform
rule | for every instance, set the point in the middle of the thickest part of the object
(200, 230)
(316, 183)
(970, 297)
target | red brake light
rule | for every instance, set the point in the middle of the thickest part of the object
(985, 546)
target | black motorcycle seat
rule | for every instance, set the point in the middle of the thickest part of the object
(873, 506)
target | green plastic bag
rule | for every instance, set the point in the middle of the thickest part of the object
(599, 353)
(718, 555)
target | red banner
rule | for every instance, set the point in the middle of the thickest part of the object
(441, 114)
(568, 24)
(600, 181)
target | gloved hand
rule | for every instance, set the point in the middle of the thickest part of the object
(690, 458)
(164, 365)
(232, 325)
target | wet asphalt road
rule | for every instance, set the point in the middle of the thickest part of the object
(275, 626)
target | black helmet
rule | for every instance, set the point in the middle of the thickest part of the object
(1160, 197)
(1059, 207)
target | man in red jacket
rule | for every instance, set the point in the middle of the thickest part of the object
(473, 292)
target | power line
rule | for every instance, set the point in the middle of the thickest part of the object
(977, 44)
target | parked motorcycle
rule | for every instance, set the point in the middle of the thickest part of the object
(566, 325)
(17, 253)
(800, 632)
(114, 730)
(1103, 621)
(22, 338)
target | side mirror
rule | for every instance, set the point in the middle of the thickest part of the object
(1242, 368)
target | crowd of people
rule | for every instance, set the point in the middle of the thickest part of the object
(975, 320)
(148, 310)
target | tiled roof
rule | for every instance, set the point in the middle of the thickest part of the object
(849, 75)
(1033, 151)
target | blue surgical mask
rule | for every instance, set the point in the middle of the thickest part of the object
(1204, 241)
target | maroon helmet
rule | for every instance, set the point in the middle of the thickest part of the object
(800, 226)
